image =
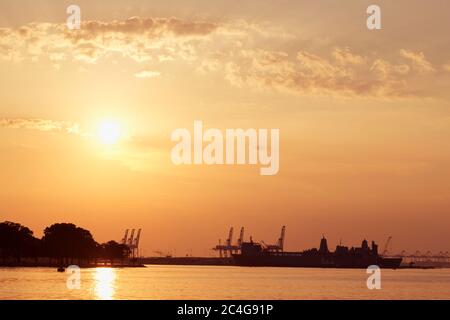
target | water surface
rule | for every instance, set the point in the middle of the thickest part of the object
(212, 282)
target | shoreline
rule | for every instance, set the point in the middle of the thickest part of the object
(80, 266)
(44, 262)
(176, 261)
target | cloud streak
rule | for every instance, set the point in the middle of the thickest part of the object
(147, 74)
(140, 39)
(341, 72)
(418, 60)
(41, 125)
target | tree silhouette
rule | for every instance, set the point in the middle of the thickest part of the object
(61, 241)
(66, 241)
(17, 241)
(113, 250)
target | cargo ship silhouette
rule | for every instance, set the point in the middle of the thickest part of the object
(257, 255)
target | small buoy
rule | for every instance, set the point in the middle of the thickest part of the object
(61, 269)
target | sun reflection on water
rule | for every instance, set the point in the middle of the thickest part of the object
(104, 283)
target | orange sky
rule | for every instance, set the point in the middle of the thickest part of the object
(363, 115)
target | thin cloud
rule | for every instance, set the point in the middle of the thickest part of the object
(342, 73)
(418, 60)
(140, 39)
(40, 125)
(147, 74)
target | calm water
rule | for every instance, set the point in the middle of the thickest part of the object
(206, 282)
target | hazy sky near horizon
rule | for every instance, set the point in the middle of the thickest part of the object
(364, 119)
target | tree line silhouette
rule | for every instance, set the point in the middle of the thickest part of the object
(61, 244)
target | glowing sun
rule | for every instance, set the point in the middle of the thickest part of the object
(109, 132)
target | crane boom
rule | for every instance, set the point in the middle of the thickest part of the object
(241, 237)
(130, 240)
(230, 237)
(282, 236)
(124, 240)
(386, 246)
(136, 240)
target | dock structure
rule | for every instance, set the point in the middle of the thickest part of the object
(440, 259)
(418, 258)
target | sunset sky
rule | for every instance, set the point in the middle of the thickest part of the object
(364, 119)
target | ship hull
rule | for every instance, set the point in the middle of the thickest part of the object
(300, 261)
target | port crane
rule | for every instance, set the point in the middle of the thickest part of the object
(124, 239)
(228, 249)
(230, 237)
(279, 246)
(132, 242)
(386, 246)
(241, 237)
